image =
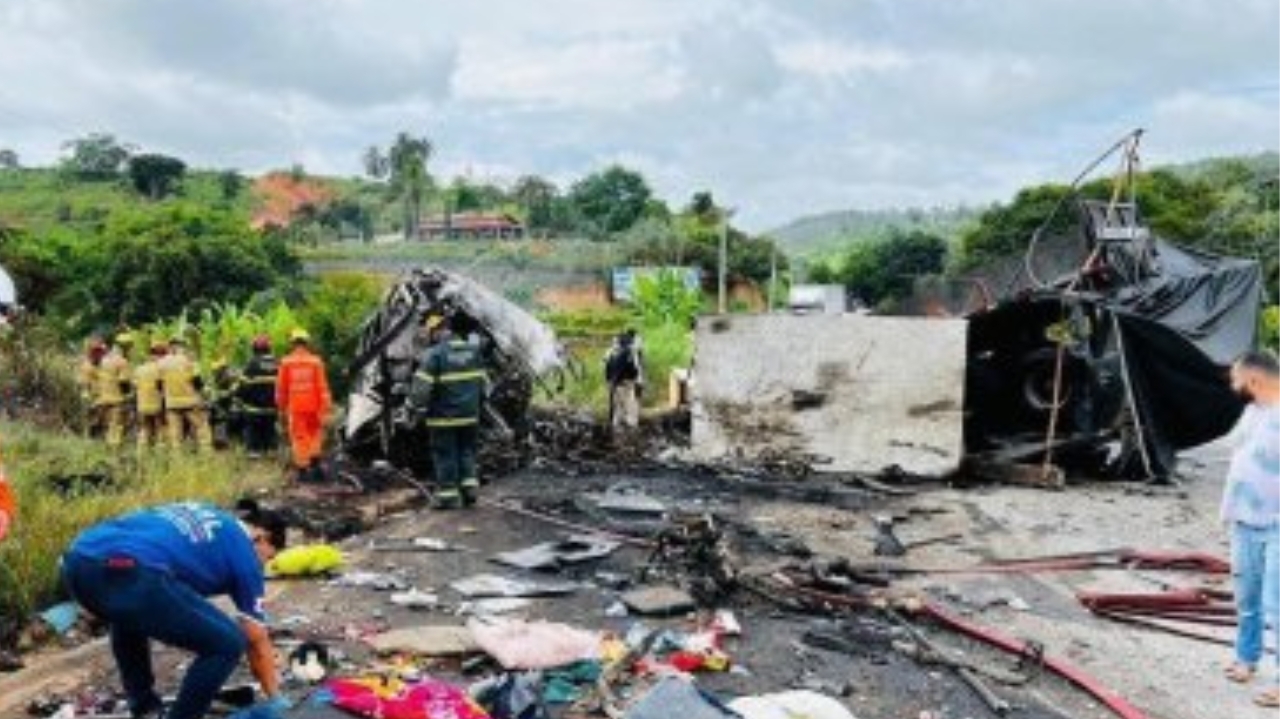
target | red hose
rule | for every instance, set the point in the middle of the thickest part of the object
(1116, 703)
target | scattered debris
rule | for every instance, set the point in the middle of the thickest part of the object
(517, 644)
(786, 705)
(887, 544)
(415, 599)
(381, 581)
(492, 585)
(658, 601)
(427, 640)
(575, 549)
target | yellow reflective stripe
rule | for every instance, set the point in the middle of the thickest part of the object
(265, 379)
(462, 376)
(425, 377)
(451, 422)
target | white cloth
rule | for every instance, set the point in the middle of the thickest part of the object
(534, 645)
(790, 705)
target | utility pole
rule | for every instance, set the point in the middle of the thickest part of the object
(725, 214)
(773, 278)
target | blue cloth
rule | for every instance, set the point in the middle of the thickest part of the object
(674, 697)
(142, 603)
(201, 546)
(1255, 570)
(1252, 494)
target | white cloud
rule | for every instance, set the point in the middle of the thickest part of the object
(780, 107)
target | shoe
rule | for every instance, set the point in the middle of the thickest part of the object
(1240, 673)
(1269, 699)
(470, 492)
(447, 499)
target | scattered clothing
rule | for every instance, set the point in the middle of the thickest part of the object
(429, 640)
(674, 697)
(517, 644)
(492, 585)
(791, 705)
(428, 699)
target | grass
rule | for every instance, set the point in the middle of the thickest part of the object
(50, 517)
(588, 334)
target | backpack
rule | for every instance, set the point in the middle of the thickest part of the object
(621, 366)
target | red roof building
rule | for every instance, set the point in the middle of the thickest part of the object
(471, 226)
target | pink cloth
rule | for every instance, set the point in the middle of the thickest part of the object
(534, 645)
(428, 699)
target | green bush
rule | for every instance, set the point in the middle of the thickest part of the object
(1269, 327)
(37, 376)
(49, 518)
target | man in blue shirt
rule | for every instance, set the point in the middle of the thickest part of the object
(147, 574)
(1251, 508)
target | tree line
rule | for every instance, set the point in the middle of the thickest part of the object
(1225, 206)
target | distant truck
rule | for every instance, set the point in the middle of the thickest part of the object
(818, 300)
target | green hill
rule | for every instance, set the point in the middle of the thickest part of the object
(822, 234)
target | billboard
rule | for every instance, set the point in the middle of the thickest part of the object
(622, 280)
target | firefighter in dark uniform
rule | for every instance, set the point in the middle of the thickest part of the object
(447, 390)
(256, 399)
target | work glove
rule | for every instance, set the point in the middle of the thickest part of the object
(273, 708)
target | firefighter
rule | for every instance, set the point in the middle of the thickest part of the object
(447, 390)
(149, 396)
(117, 362)
(224, 415)
(184, 408)
(87, 380)
(255, 396)
(111, 379)
(302, 397)
(8, 506)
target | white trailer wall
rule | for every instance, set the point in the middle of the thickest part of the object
(865, 392)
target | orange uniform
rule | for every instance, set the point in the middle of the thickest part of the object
(302, 395)
(8, 506)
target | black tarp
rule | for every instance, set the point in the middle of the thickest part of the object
(1165, 320)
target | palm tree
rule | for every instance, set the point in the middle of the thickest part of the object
(408, 165)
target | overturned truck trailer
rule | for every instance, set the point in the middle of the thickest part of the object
(518, 351)
(1109, 367)
(1127, 335)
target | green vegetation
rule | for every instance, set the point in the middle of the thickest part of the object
(880, 272)
(1225, 206)
(830, 234)
(662, 314)
(65, 483)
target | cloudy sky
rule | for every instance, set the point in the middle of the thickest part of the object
(782, 107)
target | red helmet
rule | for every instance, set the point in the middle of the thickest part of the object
(262, 343)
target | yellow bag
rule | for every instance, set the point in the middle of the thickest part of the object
(305, 561)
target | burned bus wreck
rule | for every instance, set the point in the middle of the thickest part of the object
(519, 352)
